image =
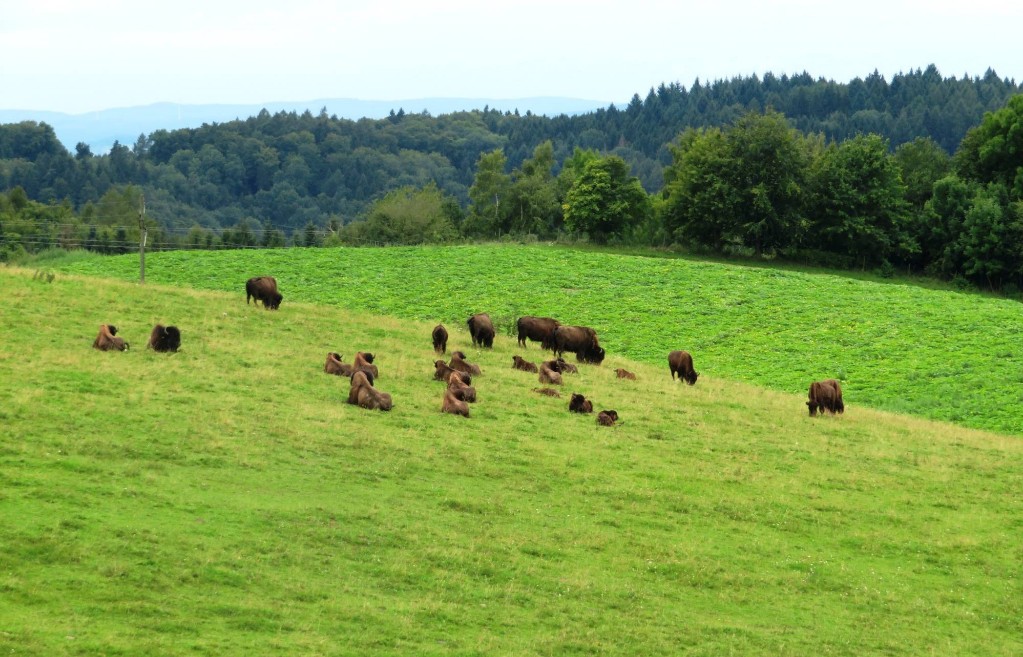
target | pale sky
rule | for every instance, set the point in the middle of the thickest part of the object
(81, 55)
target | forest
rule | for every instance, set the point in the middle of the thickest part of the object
(921, 173)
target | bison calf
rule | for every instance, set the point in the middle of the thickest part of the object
(625, 374)
(607, 418)
(107, 340)
(164, 338)
(825, 396)
(547, 392)
(681, 363)
(520, 363)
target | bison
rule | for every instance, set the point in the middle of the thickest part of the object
(333, 365)
(459, 363)
(579, 404)
(363, 394)
(440, 339)
(547, 375)
(462, 390)
(559, 365)
(164, 338)
(547, 392)
(607, 418)
(625, 374)
(364, 361)
(825, 396)
(452, 404)
(107, 340)
(520, 363)
(580, 340)
(537, 329)
(681, 363)
(481, 330)
(263, 288)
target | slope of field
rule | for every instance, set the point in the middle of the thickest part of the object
(939, 354)
(225, 501)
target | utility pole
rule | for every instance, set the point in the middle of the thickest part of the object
(143, 233)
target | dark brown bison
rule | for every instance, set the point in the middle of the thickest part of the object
(520, 363)
(440, 339)
(444, 372)
(825, 396)
(333, 365)
(560, 365)
(625, 374)
(547, 392)
(363, 394)
(107, 340)
(537, 329)
(461, 389)
(263, 288)
(164, 338)
(579, 404)
(547, 375)
(681, 363)
(459, 363)
(580, 340)
(364, 361)
(481, 330)
(452, 404)
(607, 418)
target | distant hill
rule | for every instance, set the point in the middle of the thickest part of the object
(102, 128)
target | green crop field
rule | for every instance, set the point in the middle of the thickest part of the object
(224, 500)
(935, 353)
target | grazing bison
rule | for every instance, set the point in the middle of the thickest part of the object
(579, 404)
(607, 418)
(624, 374)
(681, 363)
(547, 392)
(580, 340)
(547, 375)
(164, 338)
(452, 404)
(825, 396)
(459, 363)
(461, 389)
(107, 340)
(537, 329)
(336, 367)
(481, 330)
(440, 339)
(364, 361)
(263, 288)
(363, 394)
(519, 363)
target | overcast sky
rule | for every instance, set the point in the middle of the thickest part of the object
(81, 55)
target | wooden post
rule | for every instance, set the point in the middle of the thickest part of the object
(143, 233)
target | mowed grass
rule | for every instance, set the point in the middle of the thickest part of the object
(934, 353)
(224, 500)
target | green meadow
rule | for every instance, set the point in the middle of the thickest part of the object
(224, 500)
(897, 346)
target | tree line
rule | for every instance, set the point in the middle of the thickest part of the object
(857, 174)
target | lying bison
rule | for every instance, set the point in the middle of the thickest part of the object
(452, 404)
(334, 366)
(460, 389)
(519, 363)
(825, 396)
(549, 376)
(264, 289)
(579, 404)
(625, 374)
(107, 340)
(580, 340)
(164, 338)
(481, 330)
(364, 361)
(537, 329)
(363, 394)
(459, 363)
(607, 418)
(681, 363)
(440, 339)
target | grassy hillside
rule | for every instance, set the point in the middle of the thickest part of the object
(935, 353)
(223, 500)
